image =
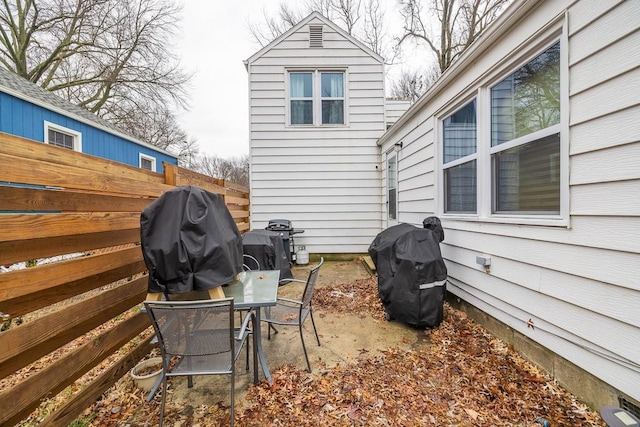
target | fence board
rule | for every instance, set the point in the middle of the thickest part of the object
(32, 280)
(47, 153)
(28, 342)
(19, 401)
(38, 199)
(29, 302)
(22, 170)
(23, 250)
(36, 226)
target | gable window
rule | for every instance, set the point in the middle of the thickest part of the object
(501, 152)
(62, 137)
(525, 137)
(459, 154)
(316, 98)
(147, 162)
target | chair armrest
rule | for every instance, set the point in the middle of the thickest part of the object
(290, 301)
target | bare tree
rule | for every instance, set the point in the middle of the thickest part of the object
(235, 169)
(346, 13)
(273, 26)
(447, 27)
(411, 84)
(108, 56)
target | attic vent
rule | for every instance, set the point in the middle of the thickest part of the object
(315, 36)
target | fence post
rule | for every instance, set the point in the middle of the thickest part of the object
(170, 173)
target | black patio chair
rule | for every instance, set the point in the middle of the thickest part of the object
(294, 312)
(198, 338)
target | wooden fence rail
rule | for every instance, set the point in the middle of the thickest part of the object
(71, 261)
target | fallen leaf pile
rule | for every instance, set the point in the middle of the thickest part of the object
(357, 297)
(464, 377)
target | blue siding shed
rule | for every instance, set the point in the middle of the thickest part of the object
(28, 111)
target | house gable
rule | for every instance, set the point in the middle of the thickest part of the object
(314, 38)
(319, 172)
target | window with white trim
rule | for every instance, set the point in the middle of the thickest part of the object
(62, 137)
(525, 137)
(316, 98)
(460, 160)
(505, 160)
(147, 162)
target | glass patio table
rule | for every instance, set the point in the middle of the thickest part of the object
(252, 291)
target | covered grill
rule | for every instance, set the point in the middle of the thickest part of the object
(411, 272)
(190, 242)
(268, 250)
(285, 230)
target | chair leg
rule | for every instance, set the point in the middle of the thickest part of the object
(275, 331)
(164, 398)
(247, 364)
(304, 348)
(233, 393)
(314, 327)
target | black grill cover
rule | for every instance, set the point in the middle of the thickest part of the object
(268, 249)
(190, 242)
(411, 273)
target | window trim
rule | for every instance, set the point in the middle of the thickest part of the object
(389, 155)
(142, 156)
(482, 93)
(77, 136)
(317, 97)
(459, 161)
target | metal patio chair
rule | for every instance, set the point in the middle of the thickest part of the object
(294, 312)
(250, 263)
(198, 338)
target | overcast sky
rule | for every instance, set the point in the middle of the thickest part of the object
(214, 43)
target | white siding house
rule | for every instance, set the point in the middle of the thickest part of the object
(528, 149)
(317, 108)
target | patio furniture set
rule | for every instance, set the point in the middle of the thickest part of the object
(199, 278)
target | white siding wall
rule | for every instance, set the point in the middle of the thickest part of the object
(579, 285)
(394, 108)
(325, 180)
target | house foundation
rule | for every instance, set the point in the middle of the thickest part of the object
(590, 389)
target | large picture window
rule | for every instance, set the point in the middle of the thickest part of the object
(501, 151)
(316, 98)
(525, 137)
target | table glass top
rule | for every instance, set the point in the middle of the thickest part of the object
(254, 288)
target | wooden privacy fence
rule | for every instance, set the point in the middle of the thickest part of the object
(70, 223)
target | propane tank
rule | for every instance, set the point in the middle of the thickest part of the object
(302, 256)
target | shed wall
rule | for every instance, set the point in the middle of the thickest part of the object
(22, 118)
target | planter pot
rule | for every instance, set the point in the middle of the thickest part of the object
(141, 375)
